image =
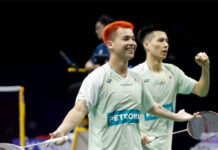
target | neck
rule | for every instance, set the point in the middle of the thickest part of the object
(154, 65)
(119, 66)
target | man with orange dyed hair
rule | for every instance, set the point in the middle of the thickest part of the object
(113, 96)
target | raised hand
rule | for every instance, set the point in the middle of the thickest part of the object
(202, 60)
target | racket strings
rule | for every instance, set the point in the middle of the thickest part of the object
(204, 127)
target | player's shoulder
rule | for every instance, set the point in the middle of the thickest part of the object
(170, 66)
(96, 77)
(135, 74)
(139, 68)
(100, 71)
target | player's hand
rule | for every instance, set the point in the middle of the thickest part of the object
(182, 116)
(145, 140)
(57, 134)
(96, 66)
(202, 60)
(196, 115)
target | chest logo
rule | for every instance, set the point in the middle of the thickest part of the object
(123, 117)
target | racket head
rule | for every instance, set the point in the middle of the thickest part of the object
(203, 127)
(7, 146)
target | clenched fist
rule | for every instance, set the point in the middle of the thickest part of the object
(202, 60)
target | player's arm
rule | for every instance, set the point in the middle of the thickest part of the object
(89, 66)
(72, 119)
(201, 88)
(158, 110)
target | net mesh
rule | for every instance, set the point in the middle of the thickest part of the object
(6, 146)
(204, 127)
(9, 128)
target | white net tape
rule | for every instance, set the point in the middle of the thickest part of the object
(9, 88)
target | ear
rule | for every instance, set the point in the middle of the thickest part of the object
(146, 44)
(109, 44)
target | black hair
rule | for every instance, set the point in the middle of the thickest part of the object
(104, 19)
(148, 28)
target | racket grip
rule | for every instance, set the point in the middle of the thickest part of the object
(48, 141)
(56, 139)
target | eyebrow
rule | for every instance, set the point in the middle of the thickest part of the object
(163, 38)
(128, 36)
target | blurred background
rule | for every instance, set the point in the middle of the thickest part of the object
(33, 32)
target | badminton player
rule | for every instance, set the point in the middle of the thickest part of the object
(165, 81)
(112, 96)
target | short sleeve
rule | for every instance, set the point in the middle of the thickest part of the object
(90, 88)
(147, 99)
(185, 84)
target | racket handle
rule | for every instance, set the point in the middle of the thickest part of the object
(49, 141)
(155, 137)
(56, 139)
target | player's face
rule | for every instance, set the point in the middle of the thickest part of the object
(158, 46)
(98, 29)
(123, 44)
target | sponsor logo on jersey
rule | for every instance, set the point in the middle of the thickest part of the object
(138, 80)
(100, 51)
(146, 80)
(123, 117)
(126, 84)
(108, 80)
(149, 117)
(161, 82)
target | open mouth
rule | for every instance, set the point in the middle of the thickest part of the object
(165, 52)
(130, 49)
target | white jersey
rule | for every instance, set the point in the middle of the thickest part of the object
(164, 89)
(114, 105)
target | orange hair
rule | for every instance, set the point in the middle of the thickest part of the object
(112, 27)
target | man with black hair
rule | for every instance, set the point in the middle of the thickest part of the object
(165, 81)
(101, 49)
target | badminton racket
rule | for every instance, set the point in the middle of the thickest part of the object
(67, 59)
(202, 127)
(8, 146)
